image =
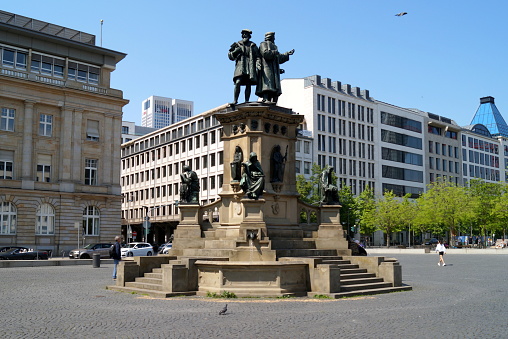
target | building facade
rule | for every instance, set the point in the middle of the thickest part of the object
(159, 112)
(59, 137)
(367, 141)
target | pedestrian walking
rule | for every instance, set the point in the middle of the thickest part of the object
(441, 249)
(116, 254)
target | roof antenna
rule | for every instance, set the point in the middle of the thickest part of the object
(102, 23)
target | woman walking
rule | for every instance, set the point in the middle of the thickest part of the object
(441, 249)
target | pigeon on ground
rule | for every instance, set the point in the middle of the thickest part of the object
(224, 310)
(401, 14)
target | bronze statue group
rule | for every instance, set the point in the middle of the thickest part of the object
(257, 66)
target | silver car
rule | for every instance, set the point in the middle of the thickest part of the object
(88, 251)
(135, 249)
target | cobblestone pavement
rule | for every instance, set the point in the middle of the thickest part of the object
(466, 299)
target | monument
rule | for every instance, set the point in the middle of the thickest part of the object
(261, 245)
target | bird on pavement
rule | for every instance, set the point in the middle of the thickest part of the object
(224, 310)
(401, 14)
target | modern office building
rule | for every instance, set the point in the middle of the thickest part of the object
(131, 131)
(59, 137)
(159, 112)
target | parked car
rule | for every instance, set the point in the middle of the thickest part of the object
(88, 251)
(163, 249)
(135, 249)
(23, 254)
(7, 248)
(432, 241)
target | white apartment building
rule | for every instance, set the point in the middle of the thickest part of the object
(159, 112)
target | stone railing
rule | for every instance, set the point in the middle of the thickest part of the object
(309, 215)
(210, 213)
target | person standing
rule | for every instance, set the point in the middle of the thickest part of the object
(245, 53)
(269, 88)
(116, 254)
(441, 249)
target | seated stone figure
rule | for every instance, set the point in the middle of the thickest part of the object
(327, 190)
(253, 178)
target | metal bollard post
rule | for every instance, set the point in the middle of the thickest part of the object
(96, 261)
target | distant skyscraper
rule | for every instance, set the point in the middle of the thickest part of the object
(159, 112)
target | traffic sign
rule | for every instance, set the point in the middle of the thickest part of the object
(134, 234)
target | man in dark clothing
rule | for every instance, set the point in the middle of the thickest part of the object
(116, 254)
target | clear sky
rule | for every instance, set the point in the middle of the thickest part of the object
(441, 57)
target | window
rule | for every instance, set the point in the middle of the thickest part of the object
(297, 166)
(212, 183)
(7, 119)
(125, 129)
(306, 147)
(83, 73)
(212, 137)
(221, 157)
(7, 218)
(306, 167)
(45, 219)
(47, 65)
(212, 160)
(43, 168)
(91, 220)
(196, 141)
(204, 184)
(205, 161)
(6, 161)
(298, 145)
(434, 130)
(91, 172)
(46, 125)
(13, 58)
(92, 130)
(220, 180)
(401, 139)
(401, 122)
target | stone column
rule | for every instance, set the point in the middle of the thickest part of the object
(66, 137)
(28, 122)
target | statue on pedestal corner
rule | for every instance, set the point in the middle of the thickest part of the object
(328, 192)
(189, 187)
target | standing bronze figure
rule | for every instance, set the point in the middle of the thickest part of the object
(236, 165)
(268, 87)
(245, 53)
(278, 164)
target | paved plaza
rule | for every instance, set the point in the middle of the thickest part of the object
(466, 299)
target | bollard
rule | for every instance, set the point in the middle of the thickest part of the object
(96, 261)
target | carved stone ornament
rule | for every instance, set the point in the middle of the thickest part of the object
(275, 208)
(277, 187)
(284, 130)
(235, 129)
(254, 124)
(275, 129)
(242, 127)
(267, 127)
(238, 208)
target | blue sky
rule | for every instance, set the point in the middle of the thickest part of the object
(441, 57)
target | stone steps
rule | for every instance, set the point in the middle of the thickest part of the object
(364, 286)
(359, 281)
(304, 252)
(148, 292)
(144, 286)
(357, 293)
(293, 244)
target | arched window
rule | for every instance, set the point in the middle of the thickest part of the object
(91, 220)
(7, 218)
(45, 219)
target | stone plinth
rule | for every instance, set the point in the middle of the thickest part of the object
(246, 278)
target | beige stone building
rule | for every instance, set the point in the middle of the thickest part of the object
(60, 133)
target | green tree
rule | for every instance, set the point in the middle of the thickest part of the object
(349, 210)
(442, 208)
(389, 215)
(484, 196)
(366, 205)
(309, 188)
(500, 210)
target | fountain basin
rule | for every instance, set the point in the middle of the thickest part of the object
(253, 278)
